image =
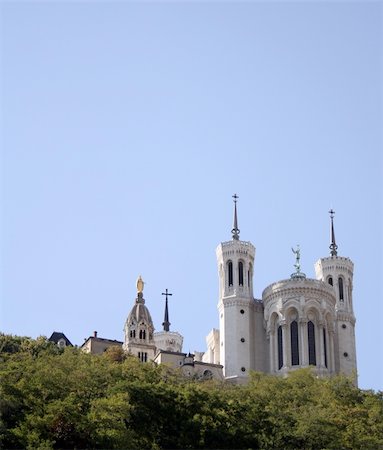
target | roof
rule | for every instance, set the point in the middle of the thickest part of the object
(57, 336)
(92, 338)
(140, 313)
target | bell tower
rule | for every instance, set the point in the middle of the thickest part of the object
(139, 328)
(338, 271)
(235, 260)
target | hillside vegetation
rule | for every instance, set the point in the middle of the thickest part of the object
(65, 399)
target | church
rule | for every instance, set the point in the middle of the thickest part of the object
(298, 322)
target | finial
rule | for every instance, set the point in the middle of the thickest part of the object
(297, 265)
(235, 230)
(140, 285)
(166, 323)
(333, 247)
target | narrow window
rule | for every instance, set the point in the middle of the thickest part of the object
(240, 273)
(294, 343)
(230, 270)
(145, 357)
(325, 347)
(248, 278)
(144, 334)
(330, 281)
(139, 355)
(280, 348)
(311, 338)
(340, 283)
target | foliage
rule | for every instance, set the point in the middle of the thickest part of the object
(62, 399)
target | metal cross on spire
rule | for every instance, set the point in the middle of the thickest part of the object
(235, 230)
(166, 323)
(333, 247)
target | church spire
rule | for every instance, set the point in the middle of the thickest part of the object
(166, 323)
(333, 247)
(235, 230)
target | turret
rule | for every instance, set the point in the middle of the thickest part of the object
(338, 271)
(139, 328)
(170, 341)
(235, 260)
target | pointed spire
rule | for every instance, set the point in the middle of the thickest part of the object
(235, 230)
(166, 323)
(333, 247)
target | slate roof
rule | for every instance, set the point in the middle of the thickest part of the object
(56, 336)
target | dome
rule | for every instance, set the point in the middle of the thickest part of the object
(140, 313)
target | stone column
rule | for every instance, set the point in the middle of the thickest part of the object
(271, 336)
(303, 345)
(319, 339)
(331, 356)
(285, 346)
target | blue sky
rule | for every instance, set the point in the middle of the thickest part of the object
(126, 128)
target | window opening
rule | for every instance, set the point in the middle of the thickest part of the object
(311, 338)
(294, 343)
(240, 273)
(340, 283)
(230, 270)
(325, 347)
(280, 348)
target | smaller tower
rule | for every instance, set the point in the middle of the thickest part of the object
(139, 328)
(235, 260)
(338, 271)
(166, 323)
(166, 340)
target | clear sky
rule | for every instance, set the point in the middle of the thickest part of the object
(126, 127)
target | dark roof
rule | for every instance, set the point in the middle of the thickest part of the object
(56, 336)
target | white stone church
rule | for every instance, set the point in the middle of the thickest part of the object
(299, 322)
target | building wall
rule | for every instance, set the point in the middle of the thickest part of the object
(97, 346)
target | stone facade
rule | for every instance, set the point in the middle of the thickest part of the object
(97, 345)
(299, 322)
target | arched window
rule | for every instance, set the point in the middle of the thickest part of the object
(230, 272)
(294, 343)
(280, 348)
(142, 334)
(340, 285)
(311, 339)
(240, 273)
(249, 275)
(330, 281)
(325, 346)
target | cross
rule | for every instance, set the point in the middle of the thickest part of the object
(166, 293)
(332, 212)
(235, 196)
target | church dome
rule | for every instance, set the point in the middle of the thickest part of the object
(140, 313)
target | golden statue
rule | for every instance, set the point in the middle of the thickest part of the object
(140, 285)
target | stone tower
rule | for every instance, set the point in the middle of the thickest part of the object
(170, 341)
(236, 304)
(338, 272)
(139, 329)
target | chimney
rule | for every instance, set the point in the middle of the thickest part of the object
(95, 334)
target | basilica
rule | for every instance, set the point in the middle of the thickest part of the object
(298, 322)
